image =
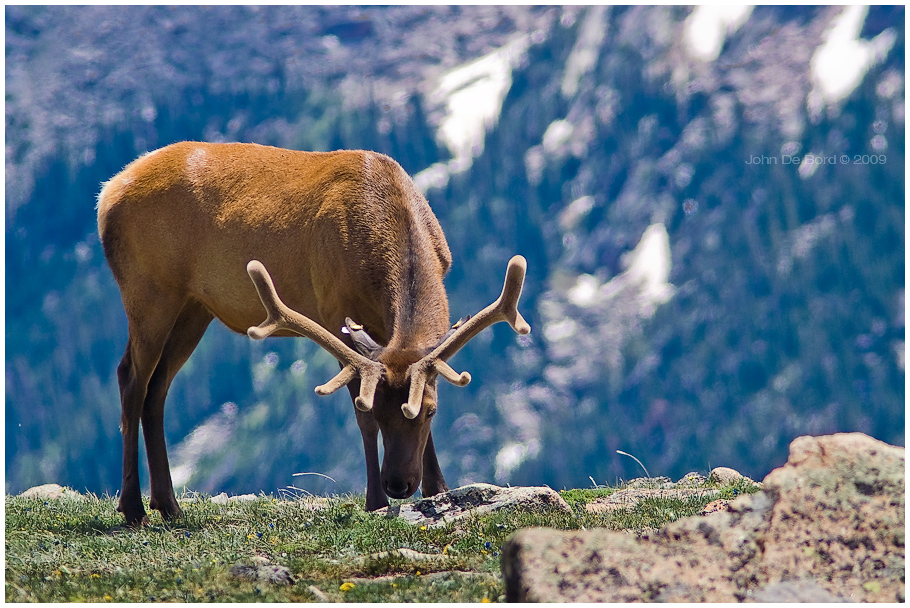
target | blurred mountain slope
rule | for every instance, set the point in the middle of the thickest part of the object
(689, 304)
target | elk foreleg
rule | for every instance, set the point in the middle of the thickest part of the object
(433, 482)
(369, 430)
(133, 374)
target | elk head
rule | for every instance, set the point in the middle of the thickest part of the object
(397, 386)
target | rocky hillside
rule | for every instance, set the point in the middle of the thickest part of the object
(712, 214)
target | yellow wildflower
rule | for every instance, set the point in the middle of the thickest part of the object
(346, 586)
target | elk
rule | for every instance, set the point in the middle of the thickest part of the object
(355, 261)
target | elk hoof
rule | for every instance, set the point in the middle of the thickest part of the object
(374, 504)
(138, 521)
(169, 509)
(135, 516)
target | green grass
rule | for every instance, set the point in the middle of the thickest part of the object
(584, 496)
(77, 550)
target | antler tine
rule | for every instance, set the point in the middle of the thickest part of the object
(419, 377)
(505, 308)
(280, 317)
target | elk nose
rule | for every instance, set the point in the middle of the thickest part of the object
(398, 488)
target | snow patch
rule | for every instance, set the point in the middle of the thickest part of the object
(841, 62)
(583, 57)
(557, 136)
(586, 325)
(511, 456)
(650, 265)
(708, 26)
(575, 212)
(584, 292)
(471, 99)
(207, 438)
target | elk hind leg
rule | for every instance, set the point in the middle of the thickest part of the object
(147, 336)
(188, 329)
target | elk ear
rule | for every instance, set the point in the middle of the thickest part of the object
(362, 340)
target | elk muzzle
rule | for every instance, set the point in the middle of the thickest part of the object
(402, 468)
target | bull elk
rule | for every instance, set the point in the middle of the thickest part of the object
(346, 237)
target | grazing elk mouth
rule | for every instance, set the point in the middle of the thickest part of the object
(399, 488)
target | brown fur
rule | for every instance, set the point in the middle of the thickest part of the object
(343, 234)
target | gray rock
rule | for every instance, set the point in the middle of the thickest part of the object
(692, 480)
(318, 594)
(478, 498)
(727, 477)
(829, 525)
(263, 571)
(724, 475)
(401, 554)
(223, 498)
(52, 491)
(653, 483)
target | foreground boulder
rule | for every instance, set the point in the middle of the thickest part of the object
(476, 499)
(829, 526)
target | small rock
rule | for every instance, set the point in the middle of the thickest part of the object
(318, 594)
(51, 491)
(223, 498)
(313, 503)
(717, 506)
(478, 498)
(692, 480)
(654, 483)
(263, 571)
(725, 476)
(245, 572)
(403, 553)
